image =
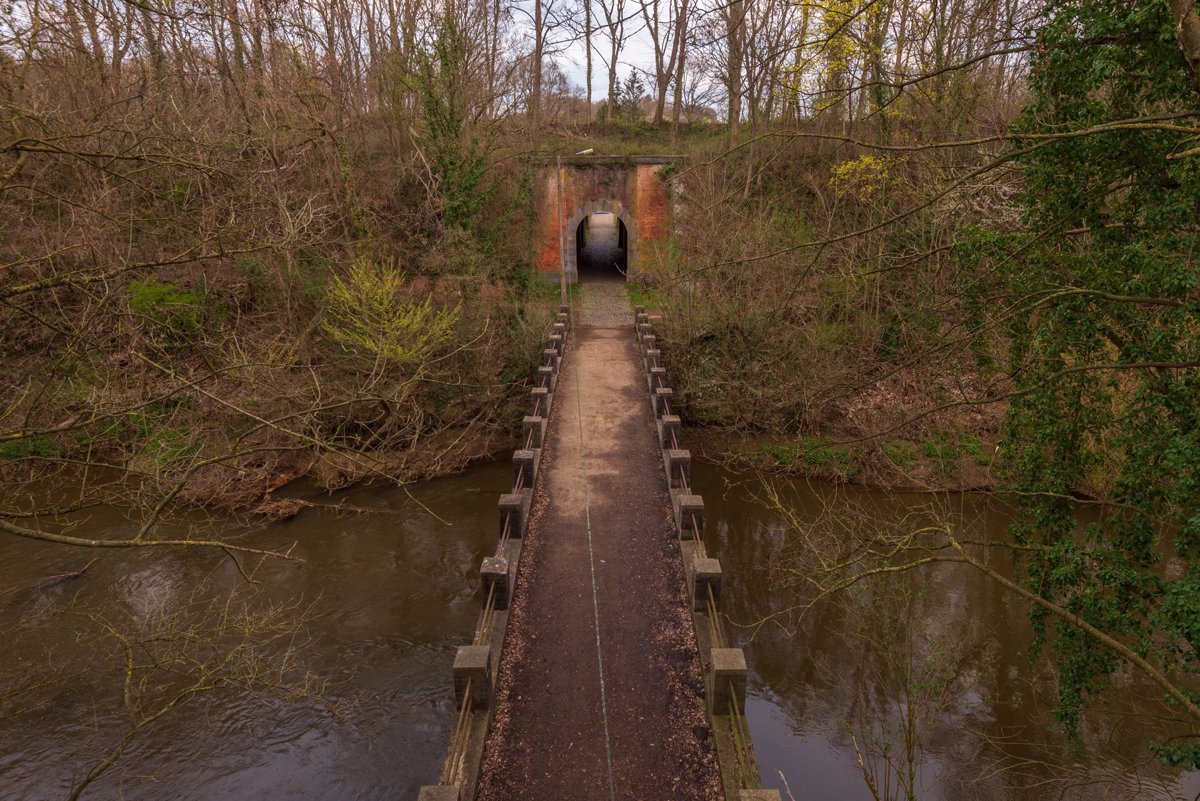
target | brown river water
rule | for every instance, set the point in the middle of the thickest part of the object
(387, 596)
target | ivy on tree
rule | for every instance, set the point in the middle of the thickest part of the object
(1101, 308)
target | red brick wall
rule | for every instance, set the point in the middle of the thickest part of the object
(637, 188)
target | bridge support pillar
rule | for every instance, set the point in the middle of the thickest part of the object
(493, 575)
(678, 464)
(705, 575)
(535, 424)
(440, 792)
(473, 666)
(689, 516)
(662, 401)
(525, 465)
(669, 427)
(726, 680)
(514, 506)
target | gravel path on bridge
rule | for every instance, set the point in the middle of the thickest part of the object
(556, 735)
(604, 303)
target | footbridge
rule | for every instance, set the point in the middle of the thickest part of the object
(600, 667)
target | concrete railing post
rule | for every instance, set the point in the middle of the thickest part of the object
(658, 378)
(525, 465)
(535, 424)
(689, 516)
(547, 377)
(493, 575)
(473, 664)
(705, 576)
(662, 401)
(653, 358)
(514, 509)
(541, 397)
(678, 464)
(726, 679)
(668, 430)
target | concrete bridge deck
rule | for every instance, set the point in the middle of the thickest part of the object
(599, 693)
(600, 667)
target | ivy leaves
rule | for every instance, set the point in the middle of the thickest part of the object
(1101, 306)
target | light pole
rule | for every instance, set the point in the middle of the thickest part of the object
(562, 229)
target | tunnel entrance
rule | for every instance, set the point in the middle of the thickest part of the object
(602, 247)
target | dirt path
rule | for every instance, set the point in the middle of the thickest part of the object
(556, 732)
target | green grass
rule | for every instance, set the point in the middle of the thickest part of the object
(901, 454)
(26, 448)
(818, 454)
(942, 453)
(645, 296)
(977, 449)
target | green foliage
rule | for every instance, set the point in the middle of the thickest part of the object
(628, 106)
(816, 453)
(367, 312)
(450, 140)
(171, 306)
(974, 447)
(901, 454)
(641, 295)
(1101, 331)
(35, 447)
(942, 453)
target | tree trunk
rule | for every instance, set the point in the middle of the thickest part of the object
(735, 19)
(1187, 31)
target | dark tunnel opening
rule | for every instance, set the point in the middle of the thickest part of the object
(601, 247)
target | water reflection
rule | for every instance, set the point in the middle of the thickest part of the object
(941, 647)
(388, 597)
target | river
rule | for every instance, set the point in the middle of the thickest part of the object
(382, 599)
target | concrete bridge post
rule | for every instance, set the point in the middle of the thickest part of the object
(533, 430)
(668, 430)
(514, 510)
(689, 515)
(662, 401)
(542, 398)
(726, 680)
(494, 576)
(473, 674)
(525, 465)
(678, 464)
(704, 577)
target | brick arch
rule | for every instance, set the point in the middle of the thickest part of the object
(632, 187)
(617, 209)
